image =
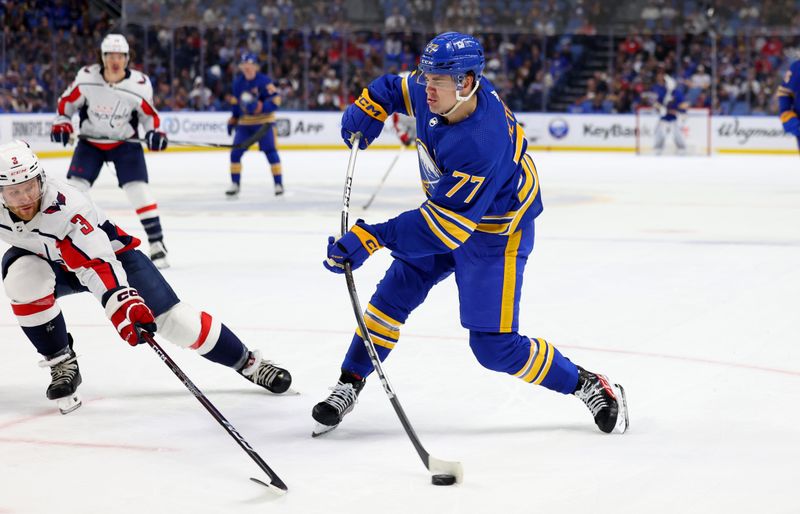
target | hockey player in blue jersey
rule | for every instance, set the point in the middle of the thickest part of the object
(670, 103)
(255, 100)
(477, 223)
(789, 101)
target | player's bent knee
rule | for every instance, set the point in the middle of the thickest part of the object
(81, 184)
(185, 326)
(29, 278)
(494, 351)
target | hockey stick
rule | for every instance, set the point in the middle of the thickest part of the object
(275, 483)
(385, 176)
(241, 146)
(434, 465)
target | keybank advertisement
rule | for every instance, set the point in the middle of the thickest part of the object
(618, 132)
(321, 130)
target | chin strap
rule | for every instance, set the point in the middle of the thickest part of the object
(461, 99)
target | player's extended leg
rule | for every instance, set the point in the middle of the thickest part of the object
(185, 326)
(242, 132)
(268, 145)
(30, 283)
(489, 273)
(87, 161)
(403, 288)
(132, 176)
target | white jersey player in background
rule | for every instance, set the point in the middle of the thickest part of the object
(111, 101)
(62, 244)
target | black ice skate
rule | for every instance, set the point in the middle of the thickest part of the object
(606, 401)
(65, 377)
(233, 191)
(266, 374)
(329, 413)
(278, 189)
(158, 254)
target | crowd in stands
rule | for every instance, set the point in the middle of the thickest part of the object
(321, 56)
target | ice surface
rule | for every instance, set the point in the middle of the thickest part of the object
(677, 277)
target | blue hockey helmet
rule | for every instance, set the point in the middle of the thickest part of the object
(453, 53)
(249, 57)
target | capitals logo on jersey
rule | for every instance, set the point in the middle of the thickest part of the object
(428, 170)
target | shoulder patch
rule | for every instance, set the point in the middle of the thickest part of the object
(56, 206)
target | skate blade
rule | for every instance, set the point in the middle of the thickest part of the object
(69, 403)
(622, 410)
(321, 429)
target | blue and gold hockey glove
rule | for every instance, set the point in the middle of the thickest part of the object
(791, 124)
(355, 246)
(366, 116)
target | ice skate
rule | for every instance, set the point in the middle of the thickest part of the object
(65, 377)
(278, 189)
(233, 191)
(266, 374)
(344, 396)
(605, 401)
(158, 254)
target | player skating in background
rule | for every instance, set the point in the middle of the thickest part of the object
(62, 244)
(670, 104)
(255, 100)
(112, 101)
(405, 126)
(789, 101)
(478, 223)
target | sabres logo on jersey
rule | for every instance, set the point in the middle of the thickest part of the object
(428, 170)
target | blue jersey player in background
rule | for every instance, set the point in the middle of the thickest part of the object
(789, 101)
(670, 104)
(477, 223)
(255, 100)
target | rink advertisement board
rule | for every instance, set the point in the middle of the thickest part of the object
(320, 130)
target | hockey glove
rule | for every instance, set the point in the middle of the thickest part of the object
(353, 247)
(156, 140)
(232, 122)
(366, 116)
(791, 124)
(61, 132)
(127, 312)
(405, 139)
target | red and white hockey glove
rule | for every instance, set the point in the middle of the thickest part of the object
(129, 314)
(61, 132)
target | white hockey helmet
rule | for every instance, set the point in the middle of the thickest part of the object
(115, 44)
(18, 164)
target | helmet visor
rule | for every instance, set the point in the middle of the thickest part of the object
(437, 80)
(23, 195)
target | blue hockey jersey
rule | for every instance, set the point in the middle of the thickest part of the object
(247, 94)
(789, 93)
(475, 173)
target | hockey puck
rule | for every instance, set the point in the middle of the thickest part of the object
(443, 480)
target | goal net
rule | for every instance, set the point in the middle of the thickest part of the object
(694, 128)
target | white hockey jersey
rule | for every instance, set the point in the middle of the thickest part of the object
(71, 231)
(109, 110)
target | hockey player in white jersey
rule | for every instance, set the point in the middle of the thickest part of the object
(62, 244)
(111, 101)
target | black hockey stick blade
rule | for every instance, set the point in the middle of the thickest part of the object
(275, 483)
(278, 488)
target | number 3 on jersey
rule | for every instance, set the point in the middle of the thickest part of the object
(463, 178)
(86, 227)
